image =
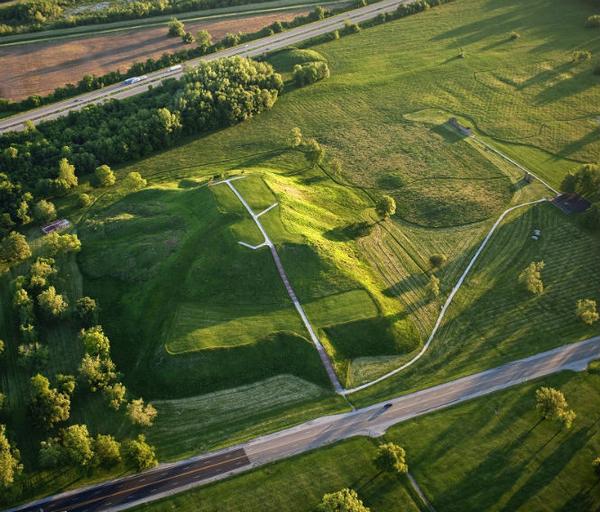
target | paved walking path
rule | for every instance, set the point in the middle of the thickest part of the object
(288, 286)
(446, 305)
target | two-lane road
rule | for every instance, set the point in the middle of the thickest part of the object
(169, 479)
(250, 49)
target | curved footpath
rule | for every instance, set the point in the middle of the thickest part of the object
(169, 479)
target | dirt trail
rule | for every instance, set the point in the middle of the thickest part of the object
(39, 68)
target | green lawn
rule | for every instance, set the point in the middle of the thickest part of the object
(195, 318)
(492, 453)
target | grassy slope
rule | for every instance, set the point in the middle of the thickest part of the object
(362, 114)
(488, 454)
(492, 319)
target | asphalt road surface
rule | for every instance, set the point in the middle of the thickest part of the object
(250, 49)
(372, 421)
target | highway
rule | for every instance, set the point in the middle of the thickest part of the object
(373, 421)
(250, 49)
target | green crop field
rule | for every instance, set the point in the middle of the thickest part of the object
(203, 326)
(492, 453)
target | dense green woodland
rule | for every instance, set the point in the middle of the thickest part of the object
(208, 97)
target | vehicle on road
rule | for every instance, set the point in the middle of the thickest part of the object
(134, 79)
(176, 67)
(387, 406)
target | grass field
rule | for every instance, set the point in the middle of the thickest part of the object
(492, 453)
(197, 320)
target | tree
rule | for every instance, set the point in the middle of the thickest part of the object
(77, 445)
(2, 347)
(587, 311)
(345, 500)
(84, 200)
(391, 458)
(313, 152)
(39, 272)
(203, 39)
(48, 406)
(531, 278)
(66, 384)
(104, 176)
(14, 248)
(10, 466)
(434, 286)
(51, 453)
(188, 38)
(295, 137)
(86, 309)
(107, 451)
(437, 260)
(134, 181)
(140, 414)
(137, 453)
(385, 207)
(66, 177)
(95, 342)
(57, 244)
(552, 404)
(115, 395)
(97, 371)
(52, 303)
(176, 28)
(44, 211)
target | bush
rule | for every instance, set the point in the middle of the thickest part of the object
(593, 21)
(104, 176)
(176, 28)
(44, 211)
(514, 36)
(581, 56)
(587, 311)
(84, 200)
(531, 278)
(350, 28)
(437, 260)
(305, 74)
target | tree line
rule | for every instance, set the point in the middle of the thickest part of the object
(205, 46)
(37, 15)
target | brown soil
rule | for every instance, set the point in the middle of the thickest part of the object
(39, 68)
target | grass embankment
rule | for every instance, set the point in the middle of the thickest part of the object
(492, 453)
(172, 250)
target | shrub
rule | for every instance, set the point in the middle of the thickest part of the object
(531, 278)
(104, 176)
(350, 28)
(84, 200)
(581, 56)
(514, 36)
(437, 260)
(587, 311)
(312, 72)
(188, 38)
(176, 28)
(593, 21)
(44, 211)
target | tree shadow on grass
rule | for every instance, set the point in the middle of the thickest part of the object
(549, 469)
